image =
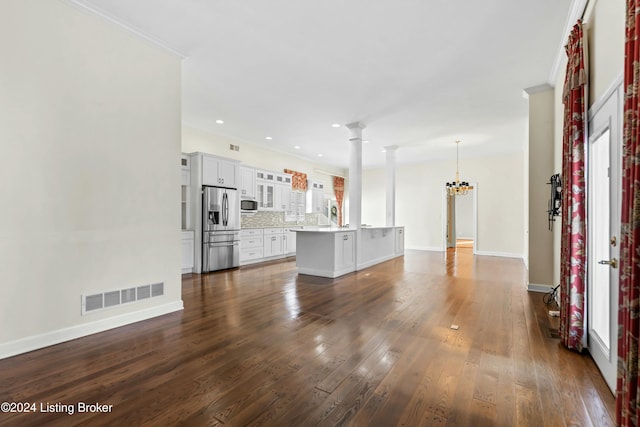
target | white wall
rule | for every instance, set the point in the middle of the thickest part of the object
(605, 34)
(420, 197)
(464, 216)
(90, 134)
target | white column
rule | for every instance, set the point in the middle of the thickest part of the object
(390, 173)
(355, 174)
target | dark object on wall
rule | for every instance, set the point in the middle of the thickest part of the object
(555, 198)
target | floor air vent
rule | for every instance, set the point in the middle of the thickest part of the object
(107, 299)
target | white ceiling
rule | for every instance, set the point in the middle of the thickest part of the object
(418, 73)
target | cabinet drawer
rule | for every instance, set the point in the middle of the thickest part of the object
(251, 253)
(251, 242)
(270, 231)
(251, 232)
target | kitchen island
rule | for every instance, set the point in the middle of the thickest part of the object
(333, 252)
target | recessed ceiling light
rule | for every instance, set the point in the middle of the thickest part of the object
(335, 125)
(384, 151)
(219, 122)
(269, 138)
(320, 154)
(366, 141)
(297, 147)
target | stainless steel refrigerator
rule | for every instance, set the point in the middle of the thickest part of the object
(220, 228)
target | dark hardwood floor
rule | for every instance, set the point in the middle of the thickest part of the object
(261, 345)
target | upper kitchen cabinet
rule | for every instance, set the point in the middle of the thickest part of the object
(283, 192)
(315, 197)
(219, 172)
(247, 182)
(265, 189)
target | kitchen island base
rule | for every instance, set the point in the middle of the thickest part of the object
(332, 252)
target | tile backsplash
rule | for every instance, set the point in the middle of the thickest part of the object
(276, 219)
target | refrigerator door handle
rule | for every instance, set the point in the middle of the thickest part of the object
(224, 209)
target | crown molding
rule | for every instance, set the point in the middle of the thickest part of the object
(576, 12)
(536, 89)
(88, 7)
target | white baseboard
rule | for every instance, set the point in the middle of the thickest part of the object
(331, 274)
(425, 248)
(535, 287)
(500, 254)
(36, 342)
(373, 262)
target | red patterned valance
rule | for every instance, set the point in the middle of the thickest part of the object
(299, 180)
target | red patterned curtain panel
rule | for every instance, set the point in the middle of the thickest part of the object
(299, 180)
(628, 309)
(574, 237)
(338, 190)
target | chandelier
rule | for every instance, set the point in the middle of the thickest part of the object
(458, 187)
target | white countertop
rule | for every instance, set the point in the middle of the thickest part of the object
(324, 230)
(341, 229)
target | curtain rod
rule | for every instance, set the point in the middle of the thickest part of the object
(328, 173)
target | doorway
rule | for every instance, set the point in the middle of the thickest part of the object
(604, 190)
(460, 221)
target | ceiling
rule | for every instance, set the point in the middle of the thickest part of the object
(418, 74)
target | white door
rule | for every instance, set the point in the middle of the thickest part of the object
(604, 187)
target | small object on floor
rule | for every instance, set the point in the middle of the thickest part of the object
(554, 313)
(455, 327)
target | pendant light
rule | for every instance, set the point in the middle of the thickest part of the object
(458, 187)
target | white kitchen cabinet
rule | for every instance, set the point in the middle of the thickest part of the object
(247, 182)
(273, 242)
(251, 245)
(187, 251)
(273, 245)
(290, 241)
(266, 190)
(219, 172)
(282, 198)
(266, 176)
(284, 178)
(325, 253)
(283, 192)
(317, 201)
(399, 246)
(265, 195)
(258, 244)
(251, 232)
(345, 251)
(315, 197)
(298, 206)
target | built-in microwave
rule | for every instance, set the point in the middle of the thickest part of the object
(248, 205)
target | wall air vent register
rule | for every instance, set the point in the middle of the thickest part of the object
(101, 300)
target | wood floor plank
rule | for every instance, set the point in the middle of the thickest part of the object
(264, 346)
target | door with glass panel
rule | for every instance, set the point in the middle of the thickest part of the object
(604, 185)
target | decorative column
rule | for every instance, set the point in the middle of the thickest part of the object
(355, 175)
(390, 173)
